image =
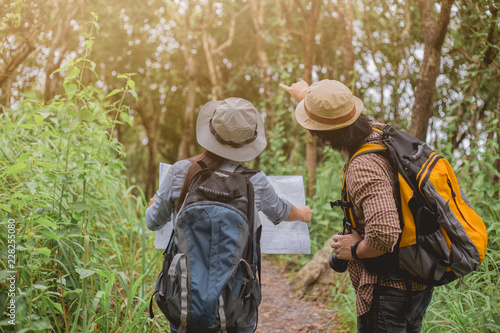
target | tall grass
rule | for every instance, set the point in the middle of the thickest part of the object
(475, 305)
(81, 247)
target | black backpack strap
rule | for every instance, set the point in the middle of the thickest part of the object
(258, 233)
(251, 220)
(151, 314)
(202, 164)
(249, 173)
(259, 253)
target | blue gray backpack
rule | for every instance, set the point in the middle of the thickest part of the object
(209, 278)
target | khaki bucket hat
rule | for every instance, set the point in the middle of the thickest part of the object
(328, 105)
(231, 128)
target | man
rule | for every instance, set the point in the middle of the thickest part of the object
(384, 303)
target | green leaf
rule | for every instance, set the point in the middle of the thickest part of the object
(133, 93)
(32, 186)
(40, 287)
(126, 117)
(57, 306)
(43, 250)
(70, 88)
(43, 324)
(85, 114)
(97, 299)
(116, 166)
(89, 43)
(43, 221)
(49, 234)
(5, 274)
(26, 126)
(5, 208)
(84, 272)
(18, 167)
(59, 69)
(38, 119)
(79, 206)
(24, 157)
(76, 291)
(105, 273)
(45, 164)
(114, 92)
(131, 84)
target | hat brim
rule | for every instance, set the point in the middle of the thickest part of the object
(306, 122)
(208, 141)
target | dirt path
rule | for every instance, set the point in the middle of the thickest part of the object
(282, 311)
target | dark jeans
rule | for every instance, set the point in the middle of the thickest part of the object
(392, 311)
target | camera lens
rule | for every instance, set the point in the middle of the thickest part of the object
(338, 265)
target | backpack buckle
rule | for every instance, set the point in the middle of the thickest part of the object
(340, 203)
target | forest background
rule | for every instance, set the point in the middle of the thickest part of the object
(95, 93)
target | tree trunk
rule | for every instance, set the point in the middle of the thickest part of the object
(213, 69)
(152, 167)
(311, 144)
(309, 49)
(150, 121)
(307, 38)
(395, 105)
(212, 51)
(406, 70)
(345, 9)
(187, 130)
(313, 270)
(371, 45)
(487, 58)
(434, 33)
(8, 91)
(258, 18)
(497, 161)
(10, 69)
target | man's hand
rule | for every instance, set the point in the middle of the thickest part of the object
(306, 213)
(342, 244)
(297, 90)
(152, 201)
(299, 214)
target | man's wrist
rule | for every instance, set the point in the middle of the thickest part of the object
(354, 248)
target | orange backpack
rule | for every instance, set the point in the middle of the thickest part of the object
(442, 238)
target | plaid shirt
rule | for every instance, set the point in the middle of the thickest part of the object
(372, 192)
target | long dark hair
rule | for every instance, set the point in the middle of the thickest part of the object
(212, 161)
(347, 138)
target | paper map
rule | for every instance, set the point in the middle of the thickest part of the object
(286, 237)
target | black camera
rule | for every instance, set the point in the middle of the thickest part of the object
(338, 265)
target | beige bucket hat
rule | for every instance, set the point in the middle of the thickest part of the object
(328, 105)
(232, 128)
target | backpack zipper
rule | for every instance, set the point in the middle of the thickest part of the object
(453, 195)
(423, 177)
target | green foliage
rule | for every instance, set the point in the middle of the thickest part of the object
(476, 303)
(80, 240)
(80, 243)
(327, 220)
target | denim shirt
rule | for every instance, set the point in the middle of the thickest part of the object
(163, 209)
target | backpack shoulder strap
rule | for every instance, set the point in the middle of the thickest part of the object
(346, 204)
(247, 171)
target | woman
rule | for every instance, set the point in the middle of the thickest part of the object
(232, 132)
